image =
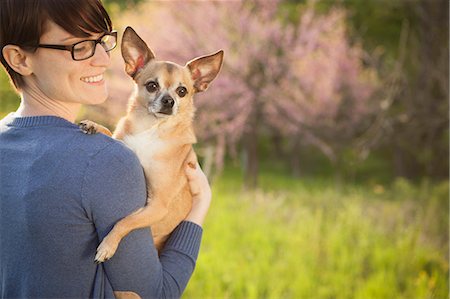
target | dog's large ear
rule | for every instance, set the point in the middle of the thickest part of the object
(135, 52)
(204, 69)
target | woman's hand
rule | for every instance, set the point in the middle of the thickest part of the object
(201, 193)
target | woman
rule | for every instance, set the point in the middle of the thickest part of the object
(61, 191)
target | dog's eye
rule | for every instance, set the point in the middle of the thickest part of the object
(152, 86)
(181, 91)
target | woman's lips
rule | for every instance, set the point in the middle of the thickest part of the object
(92, 79)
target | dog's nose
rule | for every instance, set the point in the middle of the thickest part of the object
(167, 101)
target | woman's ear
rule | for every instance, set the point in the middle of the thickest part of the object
(17, 59)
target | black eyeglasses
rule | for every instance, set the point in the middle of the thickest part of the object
(86, 48)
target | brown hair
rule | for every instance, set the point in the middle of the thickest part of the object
(22, 23)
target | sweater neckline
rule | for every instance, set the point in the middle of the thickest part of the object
(39, 121)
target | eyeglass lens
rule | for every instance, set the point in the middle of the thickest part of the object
(86, 49)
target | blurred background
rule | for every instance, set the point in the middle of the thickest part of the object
(325, 137)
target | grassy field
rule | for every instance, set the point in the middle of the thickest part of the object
(301, 238)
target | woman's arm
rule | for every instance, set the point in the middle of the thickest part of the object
(201, 193)
(115, 187)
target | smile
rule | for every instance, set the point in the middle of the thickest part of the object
(93, 79)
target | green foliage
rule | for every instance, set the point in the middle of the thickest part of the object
(303, 239)
(9, 100)
(376, 168)
(377, 23)
(407, 40)
(115, 6)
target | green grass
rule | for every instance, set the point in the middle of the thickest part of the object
(301, 238)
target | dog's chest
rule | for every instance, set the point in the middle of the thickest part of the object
(146, 145)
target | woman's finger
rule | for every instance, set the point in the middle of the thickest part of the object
(193, 178)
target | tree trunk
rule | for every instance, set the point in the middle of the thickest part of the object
(295, 158)
(399, 162)
(338, 171)
(251, 158)
(251, 166)
(430, 93)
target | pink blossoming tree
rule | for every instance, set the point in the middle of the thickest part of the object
(302, 80)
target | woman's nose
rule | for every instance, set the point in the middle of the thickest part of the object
(101, 57)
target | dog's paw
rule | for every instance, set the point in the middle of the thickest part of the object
(105, 250)
(88, 127)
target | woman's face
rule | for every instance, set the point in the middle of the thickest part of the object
(58, 77)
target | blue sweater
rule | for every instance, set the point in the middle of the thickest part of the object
(61, 191)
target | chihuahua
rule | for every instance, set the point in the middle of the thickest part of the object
(158, 128)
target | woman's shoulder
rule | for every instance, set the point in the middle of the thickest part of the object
(111, 165)
(102, 147)
(7, 119)
(113, 178)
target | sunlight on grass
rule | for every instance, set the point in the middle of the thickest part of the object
(304, 240)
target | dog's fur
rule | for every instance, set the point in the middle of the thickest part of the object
(160, 134)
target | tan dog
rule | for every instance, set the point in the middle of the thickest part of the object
(158, 128)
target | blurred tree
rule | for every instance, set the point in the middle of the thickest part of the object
(326, 99)
(412, 37)
(287, 77)
(112, 6)
(420, 131)
(408, 40)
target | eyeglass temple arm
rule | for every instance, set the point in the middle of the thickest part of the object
(58, 47)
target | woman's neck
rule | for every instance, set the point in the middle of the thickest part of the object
(35, 103)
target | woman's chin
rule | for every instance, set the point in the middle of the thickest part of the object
(96, 99)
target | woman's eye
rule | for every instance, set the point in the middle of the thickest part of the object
(81, 48)
(152, 86)
(181, 91)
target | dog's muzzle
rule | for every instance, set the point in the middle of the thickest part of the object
(167, 103)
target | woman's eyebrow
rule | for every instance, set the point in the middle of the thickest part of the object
(68, 38)
(79, 38)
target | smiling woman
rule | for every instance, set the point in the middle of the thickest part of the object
(77, 18)
(27, 55)
(76, 82)
(61, 191)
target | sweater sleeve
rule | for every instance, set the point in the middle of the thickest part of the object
(114, 187)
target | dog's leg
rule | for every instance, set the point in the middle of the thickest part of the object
(123, 128)
(90, 127)
(144, 217)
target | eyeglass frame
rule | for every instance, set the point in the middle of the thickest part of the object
(70, 48)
